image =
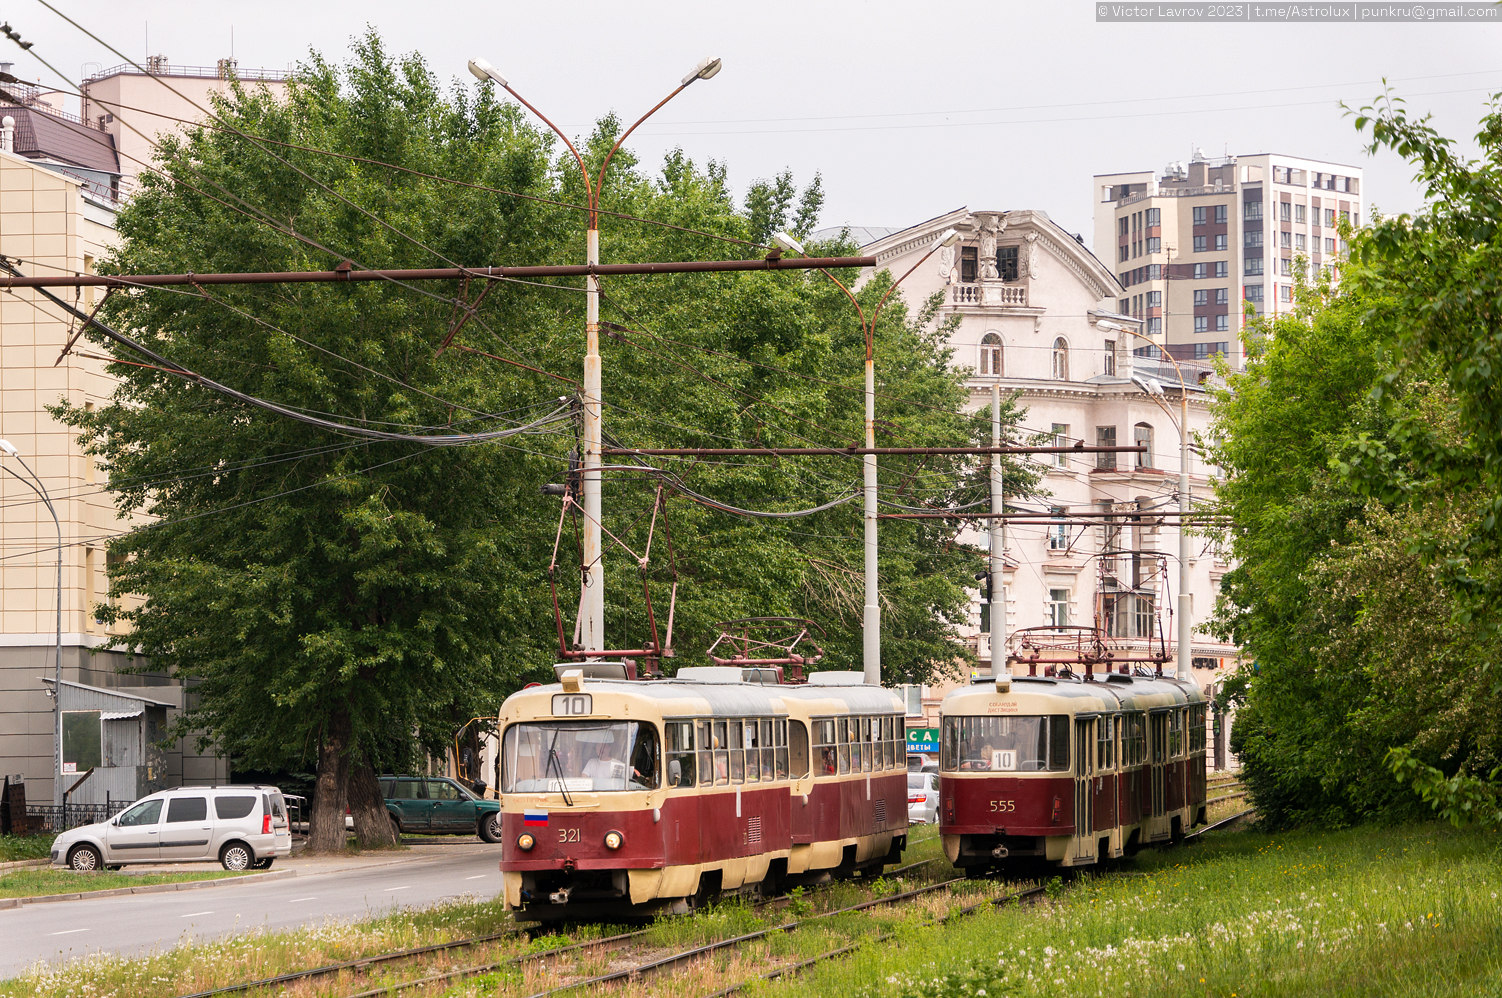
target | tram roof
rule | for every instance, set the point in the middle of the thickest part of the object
(736, 697)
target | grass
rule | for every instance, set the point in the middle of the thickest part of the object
(1408, 911)
(38, 882)
(14, 847)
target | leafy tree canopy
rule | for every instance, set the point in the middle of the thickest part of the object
(344, 602)
(1362, 459)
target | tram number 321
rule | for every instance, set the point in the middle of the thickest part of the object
(568, 835)
(1003, 805)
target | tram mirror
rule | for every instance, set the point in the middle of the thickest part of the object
(675, 773)
(1004, 759)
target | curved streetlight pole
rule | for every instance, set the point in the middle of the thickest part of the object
(57, 666)
(592, 594)
(1185, 665)
(871, 633)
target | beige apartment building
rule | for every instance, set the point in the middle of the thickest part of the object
(1189, 245)
(62, 178)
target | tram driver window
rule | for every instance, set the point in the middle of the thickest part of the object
(796, 754)
(1005, 744)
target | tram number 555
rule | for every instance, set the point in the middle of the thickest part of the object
(568, 835)
(1003, 805)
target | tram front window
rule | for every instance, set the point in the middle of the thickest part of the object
(1005, 744)
(579, 755)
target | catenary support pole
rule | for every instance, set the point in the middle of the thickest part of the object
(998, 545)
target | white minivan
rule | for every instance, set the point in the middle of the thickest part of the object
(242, 827)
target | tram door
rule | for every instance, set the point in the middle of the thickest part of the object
(1157, 732)
(1084, 811)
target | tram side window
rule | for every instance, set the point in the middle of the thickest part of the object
(753, 753)
(1104, 733)
(721, 755)
(1175, 733)
(702, 753)
(768, 765)
(737, 752)
(842, 736)
(827, 743)
(886, 743)
(796, 753)
(866, 744)
(678, 740)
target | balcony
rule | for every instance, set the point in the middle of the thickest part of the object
(988, 295)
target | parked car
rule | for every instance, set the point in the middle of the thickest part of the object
(241, 827)
(437, 805)
(922, 798)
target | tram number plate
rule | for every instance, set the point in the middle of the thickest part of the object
(568, 835)
(1003, 805)
(572, 704)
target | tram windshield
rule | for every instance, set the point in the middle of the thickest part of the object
(1005, 744)
(572, 756)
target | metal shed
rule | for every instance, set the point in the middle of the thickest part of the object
(117, 735)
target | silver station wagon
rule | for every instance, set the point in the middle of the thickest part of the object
(242, 828)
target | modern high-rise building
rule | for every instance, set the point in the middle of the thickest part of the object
(1189, 245)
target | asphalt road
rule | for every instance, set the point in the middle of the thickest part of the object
(346, 889)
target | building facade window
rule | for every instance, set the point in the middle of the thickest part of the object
(1252, 210)
(1220, 243)
(1058, 533)
(1252, 239)
(1108, 362)
(1298, 213)
(1203, 351)
(1285, 293)
(1142, 436)
(1155, 325)
(1058, 607)
(1220, 214)
(990, 356)
(1061, 439)
(1221, 268)
(1201, 244)
(1060, 360)
(1154, 244)
(1253, 293)
(1254, 266)
(1122, 228)
(1300, 241)
(1330, 216)
(1199, 215)
(1285, 240)
(1222, 323)
(1201, 323)
(1329, 246)
(1154, 298)
(1105, 436)
(1006, 262)
(969, 261)
(1201, 271)
(1285, 211)
(1202, 296)
(1222, 296)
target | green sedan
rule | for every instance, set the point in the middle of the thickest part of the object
(437, 805)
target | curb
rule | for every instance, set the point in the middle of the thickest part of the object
(20, 864)
(186, 885)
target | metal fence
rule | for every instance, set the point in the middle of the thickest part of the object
(52, 818)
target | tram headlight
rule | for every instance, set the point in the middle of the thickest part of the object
(614, 840)
(525, 842)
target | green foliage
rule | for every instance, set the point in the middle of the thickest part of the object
(1363, 464)
(316, 587)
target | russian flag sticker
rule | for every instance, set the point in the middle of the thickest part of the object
(530, 817)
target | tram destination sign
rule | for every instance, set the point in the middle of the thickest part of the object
(923, 740)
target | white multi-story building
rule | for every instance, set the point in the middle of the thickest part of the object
(1191, 244)
(1038, 316)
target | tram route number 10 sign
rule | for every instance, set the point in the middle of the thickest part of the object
(923, 740)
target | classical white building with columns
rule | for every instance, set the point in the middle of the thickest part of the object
(1037, 316)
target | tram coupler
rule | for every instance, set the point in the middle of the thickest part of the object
(561, 896)
(1000, 852)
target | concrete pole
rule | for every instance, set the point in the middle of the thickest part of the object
(871, 637)
(998, 546)
(1186, 599)
(592, 586)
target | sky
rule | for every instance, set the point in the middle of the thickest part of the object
(906, 110)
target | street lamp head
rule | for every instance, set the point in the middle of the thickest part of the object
(703, 71)
(787, 243)
(946, 238)
(482, 70)
(9, 448)
(1110, 326)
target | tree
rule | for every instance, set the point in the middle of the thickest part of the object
(343, 602)
(1362, 458)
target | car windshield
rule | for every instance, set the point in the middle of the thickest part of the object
(579, 755)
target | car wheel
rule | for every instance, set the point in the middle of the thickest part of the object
(263, 864)
(490, 827)
(396, 828)
(236, 857)
(84, 859)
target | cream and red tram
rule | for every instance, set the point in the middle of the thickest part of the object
(1068, 771)
(623, 797)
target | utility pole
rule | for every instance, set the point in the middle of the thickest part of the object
(998, 545)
